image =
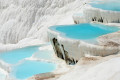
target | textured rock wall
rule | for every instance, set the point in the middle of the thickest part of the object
(91, 14)
(104, 16)
(61, 52)
(60, 49)
(20, 19)
(79, 18)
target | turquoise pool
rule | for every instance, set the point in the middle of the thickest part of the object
(113, 5)
(15, 56)
(84, 31)
(22, 68)
(30, 68)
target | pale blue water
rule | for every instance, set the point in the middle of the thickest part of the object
(113, 5)
(21, 68)
(29, 68)
(15, 56)
(84, 31)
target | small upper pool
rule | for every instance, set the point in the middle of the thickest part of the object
(113, 5)
(85, 31)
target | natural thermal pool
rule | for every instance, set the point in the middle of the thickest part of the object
(29, 68)
(22, 68)
(85, 31)
(15, 56)
(113, 5)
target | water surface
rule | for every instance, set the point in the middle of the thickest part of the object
(30, 68)
(22, 68)
(84, 31)
(113, 5)
(14, 56)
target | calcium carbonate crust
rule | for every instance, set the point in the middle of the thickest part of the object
(72, 50)
(92, 14)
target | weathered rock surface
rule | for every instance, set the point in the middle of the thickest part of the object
(112, 39)
(95, 68)
(45, 76)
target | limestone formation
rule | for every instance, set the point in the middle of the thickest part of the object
(57, 48)
(112, 39)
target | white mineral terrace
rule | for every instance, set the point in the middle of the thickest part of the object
(91, 13)
(26, 23)
(78, 48)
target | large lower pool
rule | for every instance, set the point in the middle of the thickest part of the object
(84, 31)
(30, 68)
(22, 68)
(113, 5)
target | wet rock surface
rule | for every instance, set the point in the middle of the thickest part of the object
(57, 48)
(62, 53)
